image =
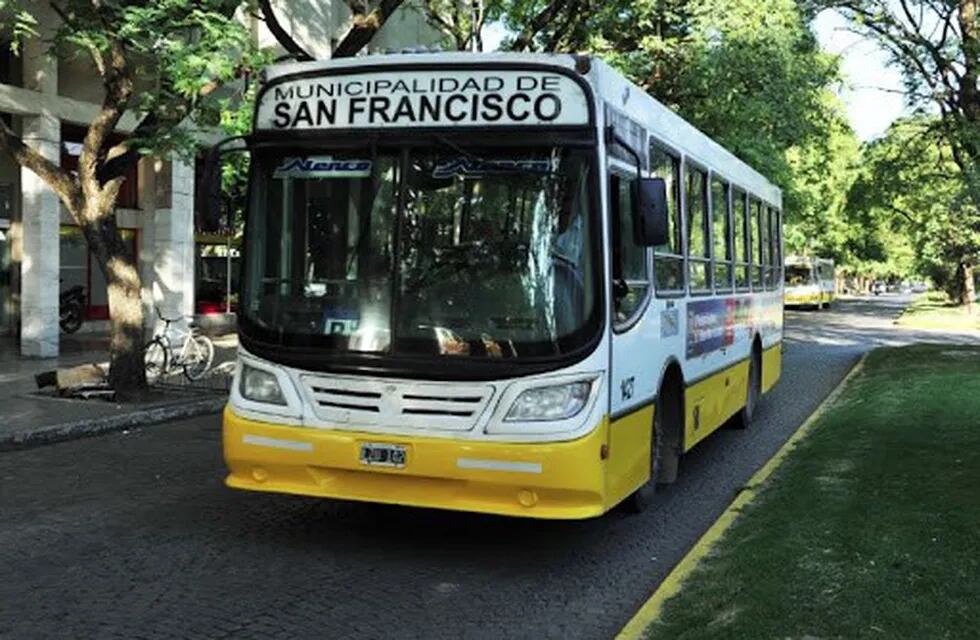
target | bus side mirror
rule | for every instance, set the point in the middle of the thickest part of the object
(650, 215)
(212, 203)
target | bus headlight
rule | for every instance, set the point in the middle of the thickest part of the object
(557, 402)
(260, 386)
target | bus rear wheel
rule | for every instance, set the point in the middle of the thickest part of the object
(664, 445)
(754, 391)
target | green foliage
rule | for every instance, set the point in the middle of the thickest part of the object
(184, 57)
(911, 188)
(18, 22)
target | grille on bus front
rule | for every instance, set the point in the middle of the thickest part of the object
(354, 402)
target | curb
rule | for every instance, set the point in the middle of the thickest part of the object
(671, 585)
(100, 426)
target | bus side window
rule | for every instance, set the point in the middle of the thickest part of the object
(766, 224)
(699, 249)
(721, 236)
(755, 240)
(742, 250)
(631, 274)
(668, 258)
(775, 262)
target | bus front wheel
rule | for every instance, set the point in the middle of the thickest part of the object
(664, 444)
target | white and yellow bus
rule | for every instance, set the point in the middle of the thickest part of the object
(809, 282)
(501, 283)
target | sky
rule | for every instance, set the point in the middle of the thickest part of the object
(871, 89)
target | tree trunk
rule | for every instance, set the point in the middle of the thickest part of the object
(127, 374)
(965, 286)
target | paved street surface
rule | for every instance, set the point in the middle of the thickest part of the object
(134, 535)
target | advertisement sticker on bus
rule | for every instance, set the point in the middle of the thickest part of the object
(387, 99)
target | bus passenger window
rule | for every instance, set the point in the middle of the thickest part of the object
(742, 251)
(631, 278)
(669, 258)
(721, 236)
(765, 247)
(773, 254)
(755, 240)
(699, 250)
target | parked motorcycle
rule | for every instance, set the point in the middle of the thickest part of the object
(71, 309)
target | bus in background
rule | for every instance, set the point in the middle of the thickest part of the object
(502, 283)
(809, 282)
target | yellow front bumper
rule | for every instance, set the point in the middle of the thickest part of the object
(541, 480)
(802, 299)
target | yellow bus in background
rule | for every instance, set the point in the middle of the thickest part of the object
(809, 282)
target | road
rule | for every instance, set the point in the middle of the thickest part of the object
(134, 535)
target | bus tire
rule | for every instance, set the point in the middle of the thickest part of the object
(754, 389)
(664, 442)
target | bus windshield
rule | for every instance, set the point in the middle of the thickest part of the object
(423, 251)
(797, 275)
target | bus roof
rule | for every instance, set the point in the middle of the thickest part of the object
(609, 86)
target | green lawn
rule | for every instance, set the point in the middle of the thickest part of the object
(869, 529)
(934, 311)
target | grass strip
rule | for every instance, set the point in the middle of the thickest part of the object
(933, 310)
(869, 529)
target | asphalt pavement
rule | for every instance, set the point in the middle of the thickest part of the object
(134, 535)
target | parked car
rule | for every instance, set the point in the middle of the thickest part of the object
(878, 288)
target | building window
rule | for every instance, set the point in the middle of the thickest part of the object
(216, 274)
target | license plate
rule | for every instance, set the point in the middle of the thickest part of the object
(383, 455)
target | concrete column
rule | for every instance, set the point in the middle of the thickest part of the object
(40, 213)
(173, 241)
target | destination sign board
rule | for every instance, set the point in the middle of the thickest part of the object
(393, 98)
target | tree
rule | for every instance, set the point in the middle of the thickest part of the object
(936, 44)
(366, 20)
(911, 187)
(461, 22)
(164, 60)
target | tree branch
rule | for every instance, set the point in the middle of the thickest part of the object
(52, 174)
(282, 36)
(364, 28)
(525, 38)
(119, 84)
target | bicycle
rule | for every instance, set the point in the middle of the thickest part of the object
(195, 356)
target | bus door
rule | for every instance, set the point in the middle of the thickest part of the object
(632, 379)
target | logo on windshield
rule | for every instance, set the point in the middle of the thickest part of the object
(476, 167)
(322, 167)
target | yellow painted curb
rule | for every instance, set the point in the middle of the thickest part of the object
(672, 584)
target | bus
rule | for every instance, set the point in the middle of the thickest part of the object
(809, 282)
(503, 283)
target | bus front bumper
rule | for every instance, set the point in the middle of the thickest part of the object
(802, 299)
(559, 480)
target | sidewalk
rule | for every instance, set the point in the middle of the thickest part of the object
(31, 417)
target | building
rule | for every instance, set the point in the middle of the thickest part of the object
(49, 103)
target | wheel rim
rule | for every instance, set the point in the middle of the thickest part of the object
(199, 361)
(155, 361)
